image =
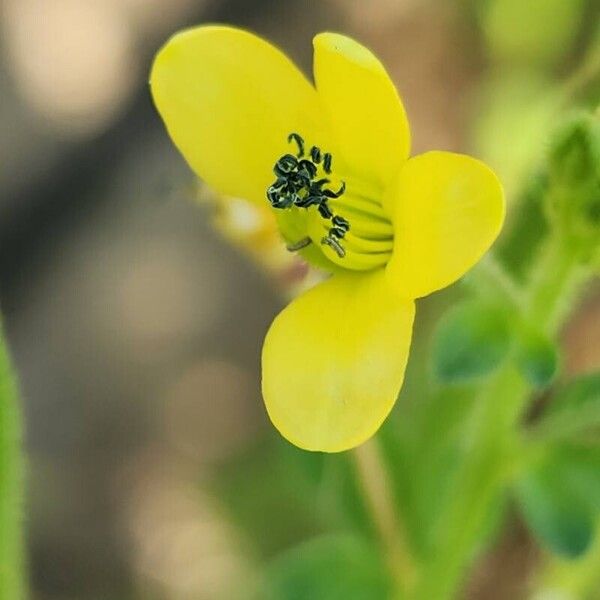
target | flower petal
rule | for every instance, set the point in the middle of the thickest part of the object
(333, 361)
(447, 210)
(366, 115)
(229, 100)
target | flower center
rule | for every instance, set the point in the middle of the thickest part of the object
(360, 238)
(297, 185)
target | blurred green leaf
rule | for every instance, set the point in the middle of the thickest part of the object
(472, 339)
(560, 498)
(528, 227)
(278, 507)
(293, 494)
(329, 568)
(574, 172)
(537, 32)
(574, 409)
(554, 516)
(517, 110)
(537, 358)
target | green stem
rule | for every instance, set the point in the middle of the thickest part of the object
(554, 285)
(492, 442)
(491, 278)
(487, 465)
(554, 428)
(373, 479)
(12, 585)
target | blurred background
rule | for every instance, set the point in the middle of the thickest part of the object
(136, 327)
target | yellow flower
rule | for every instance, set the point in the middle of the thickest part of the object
(389, 228)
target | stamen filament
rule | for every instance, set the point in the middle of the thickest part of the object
(355, 243)
(369, 228)
(357, 204)
(366, 246)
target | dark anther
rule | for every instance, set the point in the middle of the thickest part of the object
(315, 154)
(317, 185)
(309, 167)
(285, 165)
(325, 211)
(299, 244)
(296, 186)
(299, 142)
(332, 194)
(340, 224)
(334, 244)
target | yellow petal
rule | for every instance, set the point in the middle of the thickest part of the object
(333, 361)
(447, 211)
(229, 100)
(366, 115)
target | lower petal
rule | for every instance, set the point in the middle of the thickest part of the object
(333, 361)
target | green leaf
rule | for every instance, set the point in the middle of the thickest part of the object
(575, 409)
(339, 567)
(537, 359)
(562, 525)
(560, 498)
(471, 340)
(276, 514)
(296, 495)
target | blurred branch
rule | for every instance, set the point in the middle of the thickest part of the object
(587, 73)
(12, 584)
(373, 479)
(491, 277)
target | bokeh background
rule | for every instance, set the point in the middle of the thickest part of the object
(136, 327)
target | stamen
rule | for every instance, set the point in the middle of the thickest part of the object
(334, 244)
(315, 155)
(296, 186)
(299, 244)
(299, 142)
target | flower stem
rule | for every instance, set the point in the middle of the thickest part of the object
(492, 443)
(491, 277)
(587, 72)
(373, 480)
(12, 585)
(554, 285)
(487, 464)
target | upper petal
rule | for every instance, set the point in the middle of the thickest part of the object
(333, 361)
(229, 100)
(366, 115)
(447, 210)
